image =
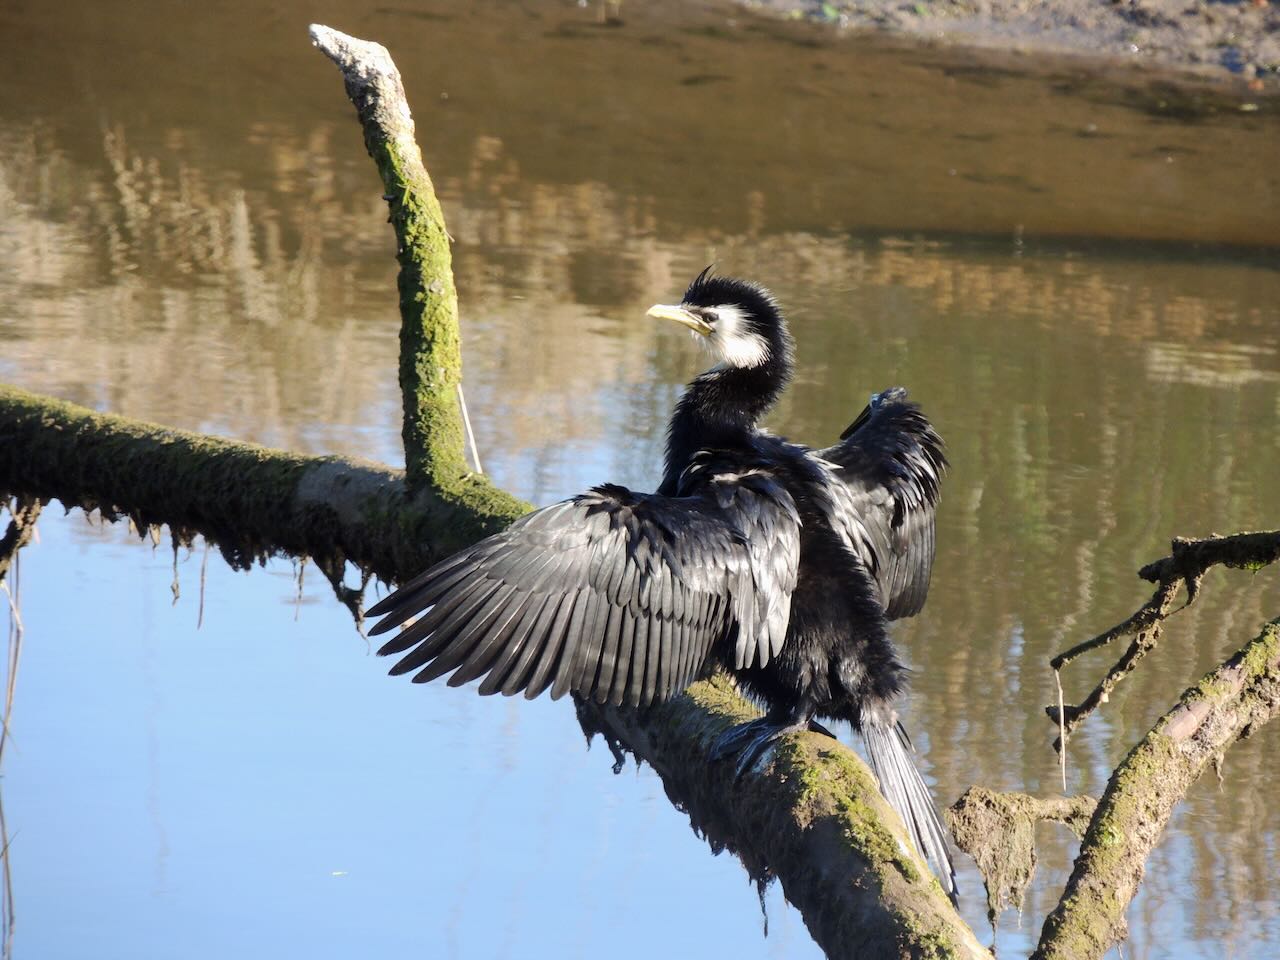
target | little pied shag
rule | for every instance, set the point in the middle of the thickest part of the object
(779, 563)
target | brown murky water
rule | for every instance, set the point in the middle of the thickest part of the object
(1078, 278)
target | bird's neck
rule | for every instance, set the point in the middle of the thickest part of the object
(720, 410)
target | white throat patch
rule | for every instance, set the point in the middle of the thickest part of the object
(732, 342)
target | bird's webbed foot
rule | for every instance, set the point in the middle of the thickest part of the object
(749, 740)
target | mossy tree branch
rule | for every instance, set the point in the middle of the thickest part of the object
(249, 500)
(812, 816)
(430, 347)
(1230, 703)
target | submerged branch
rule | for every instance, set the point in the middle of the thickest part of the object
(998, 831)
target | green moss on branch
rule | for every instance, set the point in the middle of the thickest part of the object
(1229, 703)
(430, 349)
(812, 816)
(250, 500)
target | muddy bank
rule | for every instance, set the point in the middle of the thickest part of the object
(1222, 39)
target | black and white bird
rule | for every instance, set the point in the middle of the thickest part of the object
(782, 564)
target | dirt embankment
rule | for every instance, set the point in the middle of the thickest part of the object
(1223, 37)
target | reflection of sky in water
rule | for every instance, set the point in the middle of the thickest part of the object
(259, 787)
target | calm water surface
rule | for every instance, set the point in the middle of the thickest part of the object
(1077, 278)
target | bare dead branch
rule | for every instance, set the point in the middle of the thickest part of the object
(1185, 567)
(1189, 559)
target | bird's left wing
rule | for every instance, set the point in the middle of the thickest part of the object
(615, 595)
(891, 462)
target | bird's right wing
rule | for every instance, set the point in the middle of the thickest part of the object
(617, 596)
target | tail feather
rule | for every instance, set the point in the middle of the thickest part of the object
(889, 750)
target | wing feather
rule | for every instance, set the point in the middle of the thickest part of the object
(472, 625)
(489, 647)
(509, 642)
(626, 641)
(614, 595)
(554, 648)
(574, 644)
(533, 629)
(890, 461)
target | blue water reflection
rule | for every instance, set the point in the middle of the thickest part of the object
(259, 787)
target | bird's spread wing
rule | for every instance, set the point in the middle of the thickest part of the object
(615, 595)
(890, 460)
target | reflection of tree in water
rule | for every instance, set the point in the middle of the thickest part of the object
(19, 531)
(1093, 405)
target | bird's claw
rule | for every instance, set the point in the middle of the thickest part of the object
(750, 740)
(735, 739)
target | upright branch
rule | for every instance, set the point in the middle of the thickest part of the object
(430, 351)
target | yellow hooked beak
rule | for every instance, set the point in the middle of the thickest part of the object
(662, 311)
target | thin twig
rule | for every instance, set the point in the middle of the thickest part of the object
(6, 911)
(22, 524)
(1184, 567)
(297, 602)
(176, 587)
(13, 655)
(1062, 730)
(471, 435)
(204, 567)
